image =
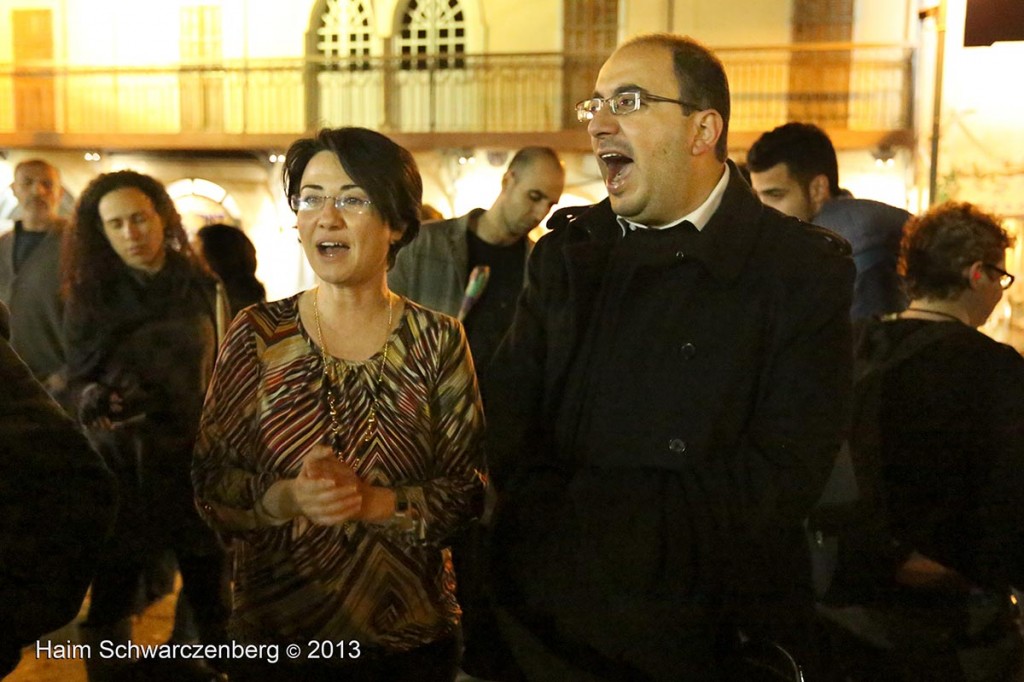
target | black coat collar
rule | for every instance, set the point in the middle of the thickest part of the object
(724, 245)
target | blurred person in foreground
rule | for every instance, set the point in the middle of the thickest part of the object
(340, 438)
(794, 169)
(142, 323)
(667, 404)
(30, 274)
(950, 481)
(229, 253)
(57, 505)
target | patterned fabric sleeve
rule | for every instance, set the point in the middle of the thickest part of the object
(454, 497)
(224, 475)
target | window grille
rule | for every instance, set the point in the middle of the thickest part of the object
(432, 27)
(345, 34)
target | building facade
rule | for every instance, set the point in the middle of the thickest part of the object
(206, 94)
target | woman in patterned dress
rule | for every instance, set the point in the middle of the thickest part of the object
(340, 439)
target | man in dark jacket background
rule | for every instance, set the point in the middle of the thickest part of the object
(57, 504)
(668, 402)
(436, 267)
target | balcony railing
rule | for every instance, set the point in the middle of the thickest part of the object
(844, 87)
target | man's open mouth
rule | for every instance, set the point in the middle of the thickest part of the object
(618, 167)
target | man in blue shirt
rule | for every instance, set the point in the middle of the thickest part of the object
(793, 169)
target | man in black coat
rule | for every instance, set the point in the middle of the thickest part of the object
(667, 405)
(57, 504)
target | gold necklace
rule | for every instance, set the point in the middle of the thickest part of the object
(332, 399)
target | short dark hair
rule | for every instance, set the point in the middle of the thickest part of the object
(701, 77)
(227, 250)
(89, 261)
(806, 150)
(527, 156)
(232, 257)
(384, 169)
(939, 244)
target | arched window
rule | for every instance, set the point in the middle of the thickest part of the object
(432, 27)
(349, 85)
(201, 202)
(345, 34)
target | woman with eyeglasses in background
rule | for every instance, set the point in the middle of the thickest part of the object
(141, 326)
(950, 469)
(340, 438)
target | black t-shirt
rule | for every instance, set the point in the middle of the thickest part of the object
(490, 318)
(25, 241)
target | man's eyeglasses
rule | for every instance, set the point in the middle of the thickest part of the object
(1005, 278)
(624, 103)
(315, 202)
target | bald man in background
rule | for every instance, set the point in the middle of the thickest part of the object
(436, 267)
(30, 273)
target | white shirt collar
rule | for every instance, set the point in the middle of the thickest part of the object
(699, 217)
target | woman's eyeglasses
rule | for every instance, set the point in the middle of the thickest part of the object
(315, 202)
(1005, 278)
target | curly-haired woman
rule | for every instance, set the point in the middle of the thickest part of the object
(141, 326)
(950, 460)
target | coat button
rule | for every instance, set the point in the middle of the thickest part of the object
(677, 446)
(687, 350)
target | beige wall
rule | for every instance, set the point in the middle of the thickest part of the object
(118, 32)
(104, 32)
(522, 25)
(883, 21)
(716, 23)
(723, 24)
(264, 29)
